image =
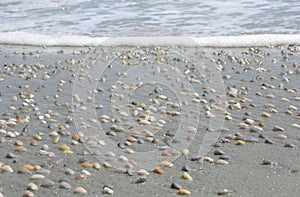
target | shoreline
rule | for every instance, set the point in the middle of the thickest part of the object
(260, 40)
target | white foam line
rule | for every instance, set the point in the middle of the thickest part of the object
(21, 38)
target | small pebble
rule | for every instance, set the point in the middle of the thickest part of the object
(176, 186)
(224, 192)
(268, 141)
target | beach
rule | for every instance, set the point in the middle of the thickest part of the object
(96, 114)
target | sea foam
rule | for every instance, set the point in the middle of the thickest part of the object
(20, 38)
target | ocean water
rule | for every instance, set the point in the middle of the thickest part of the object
(21, 20)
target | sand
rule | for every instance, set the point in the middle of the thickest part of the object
(244, 175)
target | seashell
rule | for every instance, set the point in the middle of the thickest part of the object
(249, 121)
(278, 128)
(274, 111)
(21, 149)
(37, 137)
(187, 176)
(208, 159)
(23, 171)
(87, 164)
(20, 121)
(221, 162)
(185, 152)
(265, 114)
(11, 134)
(143, 172)
(28, 167)
(141, 179)
(148, 133)
(230, 136)
(261, 123)
(64, 185)
(47, 183)
(28, 193)
(281, 136)
(53, 134)
(55, 139)
(252, 139)
(184, 192)
(69, 171)
(292, 107)
(106, 164)
(64, 147)
(219, 152)
(37, 176)
(75, 137)
(239, 138)
(131, 139)
(6, 168)
(51, 154)
(107, 190)
(284, 99)
(135, 132)
(81, 177)
(43, 171)
(240, 142)
(129, 150)
(80, 190)
(269, 105)
(32, 187)
(123, 158)
(86, 172)
(166, 163)
(33, 143)
(158, 170)
(191, 129)
(97, 166)
(166, 153)
(256, 129)
(296, 125)
(289, 145)
(67, 152)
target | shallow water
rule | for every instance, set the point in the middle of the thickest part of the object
(110, 18)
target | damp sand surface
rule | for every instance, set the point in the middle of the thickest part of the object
(261, 110)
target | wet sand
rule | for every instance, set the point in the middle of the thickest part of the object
(264, 75)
